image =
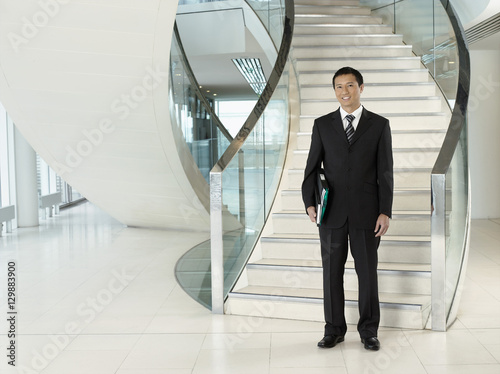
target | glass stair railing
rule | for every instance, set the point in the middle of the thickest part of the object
(245, 178)
(193, 113)
(436, 34)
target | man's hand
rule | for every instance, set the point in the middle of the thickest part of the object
(381, 226)
(311, 211)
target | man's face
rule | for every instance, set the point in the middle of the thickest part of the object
(348, 92)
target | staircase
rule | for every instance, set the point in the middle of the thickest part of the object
(283, 278)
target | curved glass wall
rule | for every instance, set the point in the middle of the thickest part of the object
(250, 178)
(193, 114)
(436, 34)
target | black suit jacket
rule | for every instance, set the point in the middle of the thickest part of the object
(360, 175)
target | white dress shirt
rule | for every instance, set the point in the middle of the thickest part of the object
(356, 114)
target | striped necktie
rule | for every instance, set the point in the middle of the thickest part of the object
(350, 129)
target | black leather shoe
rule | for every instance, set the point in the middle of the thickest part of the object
(371, 343)
(330, 341)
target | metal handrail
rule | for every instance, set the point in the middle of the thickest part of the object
(440, 317)
(217, 264)
(266, 95)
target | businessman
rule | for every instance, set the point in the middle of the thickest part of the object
(355, 149)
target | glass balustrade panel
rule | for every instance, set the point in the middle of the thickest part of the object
(457, 191)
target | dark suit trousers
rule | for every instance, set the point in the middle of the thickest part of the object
(334, 248)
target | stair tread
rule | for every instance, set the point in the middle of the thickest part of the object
(365, 71)
(387, 266)
(394, 149)
(394, 213)
(315, 36)
(385, 238)
(401, 98)
(412, 169)
(392, 84)
(385, 298)
(357, 58)
(293, 191)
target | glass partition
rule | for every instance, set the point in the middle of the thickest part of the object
(271, 14)
(192, 113)
(248, 175)
(259, 163)
(456, 222)
(436, 34)
(425, 25)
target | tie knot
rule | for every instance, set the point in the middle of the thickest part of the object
(350, 118)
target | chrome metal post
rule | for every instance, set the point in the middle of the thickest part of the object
(241, 180)
(438, 252)
(216, 242)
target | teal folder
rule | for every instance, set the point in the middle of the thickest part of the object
(322, 191)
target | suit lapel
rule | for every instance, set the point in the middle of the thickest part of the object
(338, 125)
(363, 125)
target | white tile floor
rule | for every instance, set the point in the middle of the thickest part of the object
(95, 297)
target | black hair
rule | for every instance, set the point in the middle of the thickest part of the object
(348, 70)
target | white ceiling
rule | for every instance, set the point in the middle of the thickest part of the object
(212, 34)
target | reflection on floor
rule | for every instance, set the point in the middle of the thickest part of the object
(95, 297)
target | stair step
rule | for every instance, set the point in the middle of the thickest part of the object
(333, 64)
(400, 249)
(287, 281)
(316, 263)
(328, 2)
(348, 40)
(291, 200)
(397, 310)
(372, 90)
(415, 223)
(416, 282)
(403, 158)
(316, 18)
(398, 121)
(329, 10)
(429, 104)
(350, 51)
(341, 29)
(402, 138)
(382, 75)
(403, 177)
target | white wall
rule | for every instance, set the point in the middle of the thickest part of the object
(484, 132)
(468, 10)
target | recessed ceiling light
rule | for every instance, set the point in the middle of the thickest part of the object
(251, 69)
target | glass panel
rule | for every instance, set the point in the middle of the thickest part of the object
(271, 13)
(383, 9)
(249, 181)
(275, 138)
(191, 117)
(249, 185)
(445, 63)
(233, 114)
(425, 25)
(414, 20)
(457, 191)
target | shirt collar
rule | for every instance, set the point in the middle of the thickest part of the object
(356, 113)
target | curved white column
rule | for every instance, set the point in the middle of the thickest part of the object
(26, 185)
(87, 85)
